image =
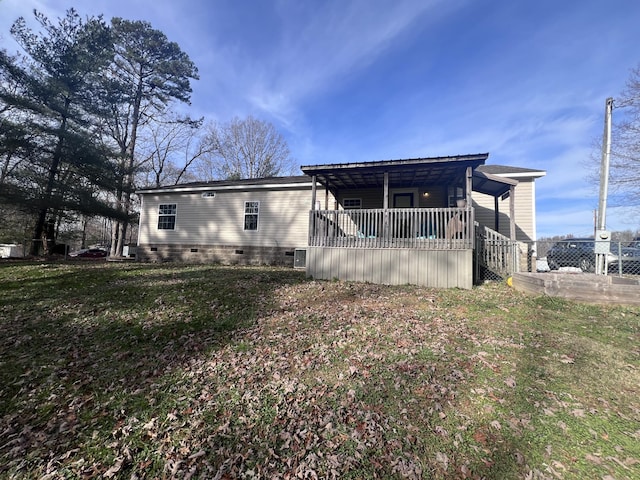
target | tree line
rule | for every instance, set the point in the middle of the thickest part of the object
(88, 113)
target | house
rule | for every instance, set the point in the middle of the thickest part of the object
(436, 221)
(497, 216)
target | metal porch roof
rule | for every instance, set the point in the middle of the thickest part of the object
(414, 172)
(407, 173)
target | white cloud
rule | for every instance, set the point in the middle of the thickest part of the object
(323, 47)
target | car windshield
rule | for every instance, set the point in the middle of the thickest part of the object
(584, 244)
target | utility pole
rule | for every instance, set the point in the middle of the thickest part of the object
(603, 237)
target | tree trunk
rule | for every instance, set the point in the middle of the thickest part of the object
(83, 243)
(53, 170)
(128, 185)
(115, 226)
(37, 232)
(122, 234)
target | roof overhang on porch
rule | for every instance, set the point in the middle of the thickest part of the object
(401, 173)
(492, 184)
(414, 172)
(418, 172)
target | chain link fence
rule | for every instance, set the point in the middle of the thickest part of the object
(579, 254)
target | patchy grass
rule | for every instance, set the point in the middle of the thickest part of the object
(166, 371)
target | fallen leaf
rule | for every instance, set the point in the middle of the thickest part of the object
(618, 461)
(563, 426)
(480, 437)
(198, 454)
(567, 359)
(441, 431)
(593, 459)
(443, 459)
(115, 468)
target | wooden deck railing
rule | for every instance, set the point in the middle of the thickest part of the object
(428, 228)
(496, 252)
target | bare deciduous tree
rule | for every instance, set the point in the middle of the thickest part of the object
(171, 149)
(248, 148)
(625, 150)
(150, 72)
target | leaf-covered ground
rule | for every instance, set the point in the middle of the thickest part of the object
(139, 371)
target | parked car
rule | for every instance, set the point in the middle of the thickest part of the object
(627, 257)
(580, 253)
(573, 252)
(89, 253)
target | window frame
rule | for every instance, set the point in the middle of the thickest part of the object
(352, 207)
(251, 204)
(164, 216)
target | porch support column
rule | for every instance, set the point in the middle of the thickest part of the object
(385, 205)
(470, 227)
(312, 217)
(313, 192)
(469, 186)
(326, 196)
(496, 214)
(512, 212)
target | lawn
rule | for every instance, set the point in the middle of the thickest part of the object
(167, 371)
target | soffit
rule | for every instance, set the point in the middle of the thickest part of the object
(491, 184)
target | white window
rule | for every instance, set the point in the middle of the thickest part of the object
(351, 203)
(251, 213)
(167, 216)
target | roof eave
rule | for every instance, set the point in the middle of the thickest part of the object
(311, 169)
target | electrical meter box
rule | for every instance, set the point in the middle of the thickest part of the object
(603, 241)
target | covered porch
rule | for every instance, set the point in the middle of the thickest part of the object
(398, 221)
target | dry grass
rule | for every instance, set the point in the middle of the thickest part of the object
(138, 371)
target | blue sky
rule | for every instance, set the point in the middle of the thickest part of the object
(366, 80)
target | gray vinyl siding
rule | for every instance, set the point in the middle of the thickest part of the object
(393, 266)
(437, 197)
(371, 197)
(524, 211)
(374, 197)
(283, 218)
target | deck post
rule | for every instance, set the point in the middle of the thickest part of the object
(313, 192)
(512, 213)
(385, 206)
(326, 196)
(312, 218)
(469, 186)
